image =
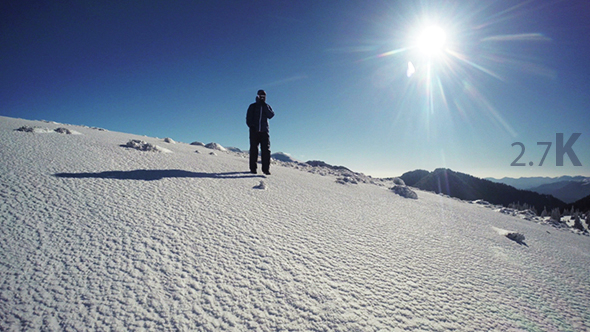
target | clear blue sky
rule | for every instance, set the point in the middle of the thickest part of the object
(336, 74)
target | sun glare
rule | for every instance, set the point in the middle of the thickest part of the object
(432, 40)
(448, 57)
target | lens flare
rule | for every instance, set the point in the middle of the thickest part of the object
(411, 70)
(453, 55)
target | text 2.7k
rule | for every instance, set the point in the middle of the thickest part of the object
(560, 150)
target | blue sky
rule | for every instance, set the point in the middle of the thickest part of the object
(336, 74)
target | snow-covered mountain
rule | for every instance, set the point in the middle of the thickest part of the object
(112, 231)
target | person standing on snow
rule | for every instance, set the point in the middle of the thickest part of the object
(257, 120)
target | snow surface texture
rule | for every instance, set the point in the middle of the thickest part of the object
(98, 236)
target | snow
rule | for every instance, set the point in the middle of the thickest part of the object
(98, 236)
(215, 146)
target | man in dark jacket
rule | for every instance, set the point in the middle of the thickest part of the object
(257, 120)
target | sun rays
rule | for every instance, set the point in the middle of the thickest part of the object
(450, 59)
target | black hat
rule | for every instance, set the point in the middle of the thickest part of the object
(261, 92)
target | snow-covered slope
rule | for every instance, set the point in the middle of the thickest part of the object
(98, 235)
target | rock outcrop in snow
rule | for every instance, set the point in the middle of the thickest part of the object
(145, 146)
(62, 130)
(405, 191)
(26, 129)
(39, 130)
(515, 236)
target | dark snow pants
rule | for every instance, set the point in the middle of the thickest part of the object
(262, 139)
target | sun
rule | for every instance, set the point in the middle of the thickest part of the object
(449, 54)
(432, 41)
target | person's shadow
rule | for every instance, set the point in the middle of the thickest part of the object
(156, 174)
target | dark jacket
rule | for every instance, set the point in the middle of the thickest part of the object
(258, 115)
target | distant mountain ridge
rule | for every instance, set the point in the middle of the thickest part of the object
(566, 188)
(532, 182)
(567, 191)
(467, 187)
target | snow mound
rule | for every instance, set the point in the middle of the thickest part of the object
(324, 169)
(261, 186)
(169, 140)
(320, 163)
(233, 149)
(346, 180)
(281, 156)
(144, 146)
(198, 143)
(399, 182)
(481, 202)
(405, 191)
(215, 146)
